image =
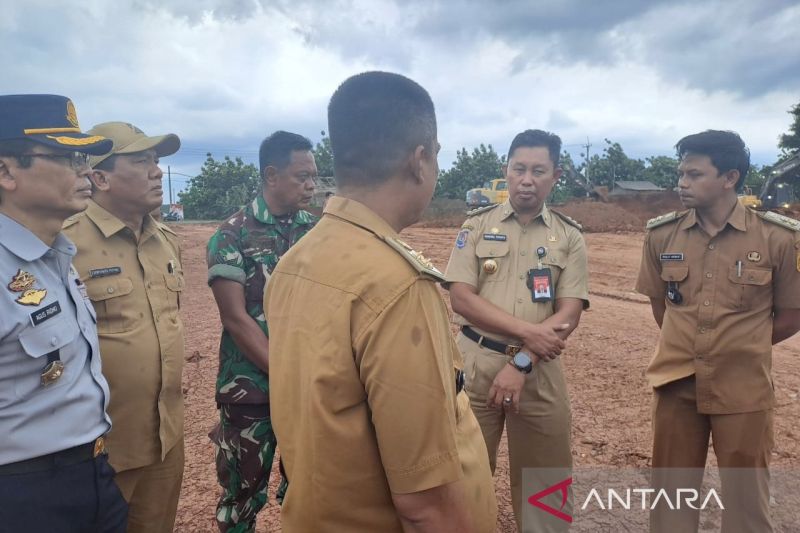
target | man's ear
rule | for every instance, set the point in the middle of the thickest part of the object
(270, 176)
(557, 173)
(415, 160)
(7, 180)
(99, 179)
(731, 178)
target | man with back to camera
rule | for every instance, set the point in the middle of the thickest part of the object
(518, 281)
(366, 383)
(241, 256)
(54, 471)
(131, 266)
(724, 286)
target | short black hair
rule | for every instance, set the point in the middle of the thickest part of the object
(276, 150)
(16, 148)
(375, 119)
(726, 150)
(106, 164)
(535, 138)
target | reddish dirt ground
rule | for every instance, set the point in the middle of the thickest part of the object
(605, 363)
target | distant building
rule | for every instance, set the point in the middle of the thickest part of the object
(631, 188)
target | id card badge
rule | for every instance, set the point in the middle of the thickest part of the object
(540, 283)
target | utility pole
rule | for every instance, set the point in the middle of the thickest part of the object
(587, 146)
(169, 183)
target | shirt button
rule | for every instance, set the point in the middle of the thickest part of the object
(524, 231)
(522, 252)
(522, 276)
(54, 341)
(519, 300)
(110, 290)
(702, 330)
(710, 246)
(709, 274)
(707, 303)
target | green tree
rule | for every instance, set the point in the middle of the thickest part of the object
(324, 156)
(614, 165)
(756, 178)
(790, 142)
(661, 170)
(469, 170)
(221, 188)
(566, 188)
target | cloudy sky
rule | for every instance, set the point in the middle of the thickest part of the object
(222, 74)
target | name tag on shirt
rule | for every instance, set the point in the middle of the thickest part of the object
(103, 272)
(46, 313)
(672, 257)
(494, 237)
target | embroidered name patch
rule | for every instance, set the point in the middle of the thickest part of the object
(494, 237)
(672, 257)
(40, 315)
(103, 272)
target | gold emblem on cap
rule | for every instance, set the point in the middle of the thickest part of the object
(23, 282)
(52, 373)
(71, 141)
(495, 231)
(490, 266)
(753, 256)
(72, 116)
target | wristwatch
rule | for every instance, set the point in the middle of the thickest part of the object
(522, 362)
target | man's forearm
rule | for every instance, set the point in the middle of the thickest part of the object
(250, 339)
(568, 311)
(785, 324)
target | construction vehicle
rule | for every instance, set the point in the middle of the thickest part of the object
(781, 192)
(493, 192)
(748, 199)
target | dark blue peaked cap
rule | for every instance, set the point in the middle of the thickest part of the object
(47, 119)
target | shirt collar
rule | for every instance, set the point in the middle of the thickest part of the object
(262, 214)
(23, 243)
(360, 215)
(507, 210)
(737, 219)
(109, 224)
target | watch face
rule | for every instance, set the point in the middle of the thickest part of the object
(521, 360)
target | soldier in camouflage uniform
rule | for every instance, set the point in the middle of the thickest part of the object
(242, 254)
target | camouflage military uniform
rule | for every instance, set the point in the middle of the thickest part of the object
(246, 248)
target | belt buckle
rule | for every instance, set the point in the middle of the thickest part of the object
(99, 446)
(512, 350)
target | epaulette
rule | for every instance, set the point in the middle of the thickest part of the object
(479, 210)
(572, 222)
(664, 219)
(417, 260)
(780, 220)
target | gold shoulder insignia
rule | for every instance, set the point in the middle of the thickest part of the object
(780, 220)
(419, 261)
(479, 210)
(664, 219)
(572, 222)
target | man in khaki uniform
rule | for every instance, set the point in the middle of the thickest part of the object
(375, 434)
(131, 267)
(518, 279)
(724, 284)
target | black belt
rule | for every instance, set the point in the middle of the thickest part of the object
(497, 346)
(67, 457)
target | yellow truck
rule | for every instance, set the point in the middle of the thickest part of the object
(493, 192)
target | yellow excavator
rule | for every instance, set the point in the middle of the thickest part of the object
(781, 192)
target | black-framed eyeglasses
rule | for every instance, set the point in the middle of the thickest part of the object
(76, 160)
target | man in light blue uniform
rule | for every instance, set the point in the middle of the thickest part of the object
(54, 473)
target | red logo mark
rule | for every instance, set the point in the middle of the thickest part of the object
(558, 513)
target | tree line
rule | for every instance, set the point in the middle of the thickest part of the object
(222, 187)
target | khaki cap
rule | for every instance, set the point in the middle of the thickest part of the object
(128, 139)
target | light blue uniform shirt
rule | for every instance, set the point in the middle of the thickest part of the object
(36, 420)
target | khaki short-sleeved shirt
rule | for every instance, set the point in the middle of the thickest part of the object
(495, 236)
(362, 380)
(722, 330)
(135, 288)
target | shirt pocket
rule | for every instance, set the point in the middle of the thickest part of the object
(175, 283)
(497, 251)
(112, 303)
(556, 261)
(753, 288)
(676, 274)
(55, 334)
